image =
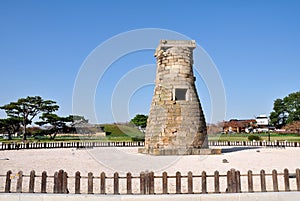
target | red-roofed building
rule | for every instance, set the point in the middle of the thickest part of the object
(238, 126)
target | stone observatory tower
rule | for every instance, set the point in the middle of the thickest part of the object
(176, 123)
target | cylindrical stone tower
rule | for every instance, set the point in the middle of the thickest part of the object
(176, 123)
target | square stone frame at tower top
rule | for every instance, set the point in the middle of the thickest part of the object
(176, 123)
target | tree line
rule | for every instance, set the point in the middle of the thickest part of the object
(21, 113)
(286, 110)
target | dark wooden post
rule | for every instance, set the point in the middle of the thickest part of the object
(178, 182)
(151, 182)
(102, 183)
(229, 182)
(286, 180)
(60, 181)
(65, 183)
(298, 179)
(116, 183)
(8, 181)
(165, 182)
(55, 185)
(233, 181)
(217, 182)
(90, 183)
(190, 183)
(263, 181)
(204, 182)
(250, 182)
(129, 183)
(147, 182)
(238, 182)
(31, 181)
(275, 181)
(142, 183)
(77, 182)
(19, 182)
(44, 182)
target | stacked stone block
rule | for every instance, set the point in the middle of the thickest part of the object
(176, 123)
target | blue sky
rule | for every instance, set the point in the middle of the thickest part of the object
(255, 46)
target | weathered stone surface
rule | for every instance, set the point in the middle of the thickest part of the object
(176, 123)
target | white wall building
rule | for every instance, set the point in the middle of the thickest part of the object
(262, 122)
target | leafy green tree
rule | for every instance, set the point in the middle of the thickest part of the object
(28, 108)
(292, 103)
(279, 114)
(55, 122)
(77, 118)
(286, 110)
(10, 125)
(139, 120)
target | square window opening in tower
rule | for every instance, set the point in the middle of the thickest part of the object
(181, 94)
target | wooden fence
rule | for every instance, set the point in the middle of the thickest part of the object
(148, 183)
(282, 144)
(78, 145)
(82, 144)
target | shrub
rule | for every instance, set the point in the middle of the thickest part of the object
(138, 139)
(253, 137)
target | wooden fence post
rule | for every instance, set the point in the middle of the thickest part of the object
(204, 182)
(102, 183)
(31, 181)
(190, 183)
(142, 183)
(116, 183)
(298, 179)
(263, 181)
(77, 182)
(286, 180)
(229, 182)
(165, 182)
(275, 181)
(44, 182)
(250, 182)
(178, 182)
(233, 180)
(217, 182)
(151, 182)
(55, 185)
(147, 182)
(129, 183)
(60, 181)
(90, 183)
(65, 183)
(238, 182)
(8, 181)
(19, 182)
